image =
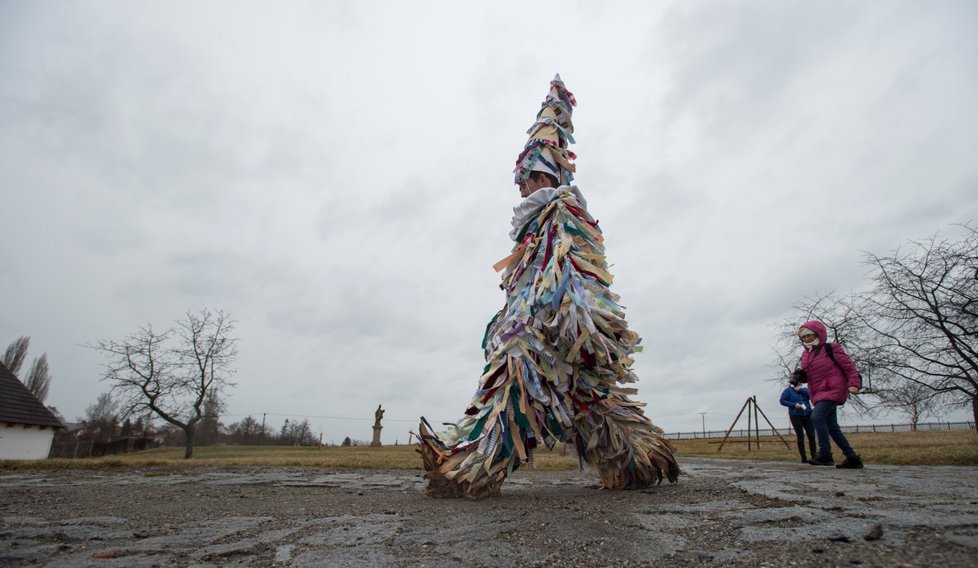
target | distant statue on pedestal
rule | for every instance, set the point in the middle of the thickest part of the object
(378, 415)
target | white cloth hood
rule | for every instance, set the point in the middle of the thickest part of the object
(531, 205)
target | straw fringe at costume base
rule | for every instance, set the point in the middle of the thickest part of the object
(557, 355)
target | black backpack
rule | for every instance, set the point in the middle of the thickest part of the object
(828, 350)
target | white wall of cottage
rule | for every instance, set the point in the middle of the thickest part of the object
(24, 441)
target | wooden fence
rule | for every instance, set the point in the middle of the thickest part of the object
(741, 432)
(92, 449)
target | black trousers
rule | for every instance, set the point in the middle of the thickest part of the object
(803, 426)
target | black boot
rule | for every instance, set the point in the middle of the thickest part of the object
(851, 462)
(823, 459)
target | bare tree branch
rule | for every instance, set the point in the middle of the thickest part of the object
(39, 378)
(16, 354)
(921, 311)
(173, 372)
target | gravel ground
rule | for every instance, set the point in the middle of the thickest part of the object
(727, 513)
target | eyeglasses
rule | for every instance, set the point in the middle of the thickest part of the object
(807, 337)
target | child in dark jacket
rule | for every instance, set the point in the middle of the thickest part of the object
(796, 398)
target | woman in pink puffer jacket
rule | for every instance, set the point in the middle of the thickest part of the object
(830, 382)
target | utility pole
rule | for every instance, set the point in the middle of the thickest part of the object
(703, 416)
(263, 427)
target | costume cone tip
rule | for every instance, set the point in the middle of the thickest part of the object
(546, 149)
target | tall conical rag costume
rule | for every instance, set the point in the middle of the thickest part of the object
(559, 353)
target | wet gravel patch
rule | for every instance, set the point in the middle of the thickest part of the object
(721, 513)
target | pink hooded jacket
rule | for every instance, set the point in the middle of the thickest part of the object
(826, 381)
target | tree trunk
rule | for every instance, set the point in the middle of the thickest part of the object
(974, 411)
(188, 434)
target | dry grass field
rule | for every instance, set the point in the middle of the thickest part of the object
(403, 457)
(952, 447)
(957, 447)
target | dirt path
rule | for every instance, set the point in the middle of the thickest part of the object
(720, 513)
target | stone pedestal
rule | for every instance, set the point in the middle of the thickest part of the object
(375, 443)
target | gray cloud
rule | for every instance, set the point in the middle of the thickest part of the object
(337, 177)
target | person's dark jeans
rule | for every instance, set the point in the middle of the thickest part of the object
(803, 426)
(826, 424)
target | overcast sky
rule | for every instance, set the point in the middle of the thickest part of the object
(338, 177)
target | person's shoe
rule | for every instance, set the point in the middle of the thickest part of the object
(851, 462)
(823, 460)
(805, 460)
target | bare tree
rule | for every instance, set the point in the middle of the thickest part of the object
(172, 373)
(295, 433)
(210, 423)
(103, 416)
(16, 353)
(248, 431)
(144, 424)
(913, 399)
(57, 414)
(922, 312)
(39, 378)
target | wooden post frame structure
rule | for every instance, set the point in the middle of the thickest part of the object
(751, 405)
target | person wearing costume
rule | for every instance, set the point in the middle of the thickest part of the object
(559, 353)
(831, 377)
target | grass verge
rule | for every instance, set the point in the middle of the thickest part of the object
(954, 447)
(957, 447)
